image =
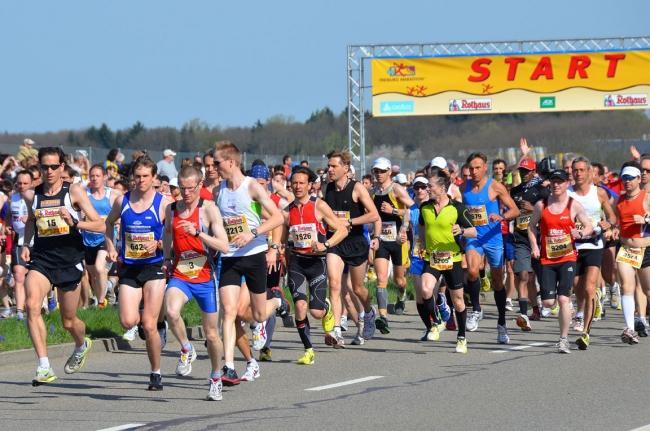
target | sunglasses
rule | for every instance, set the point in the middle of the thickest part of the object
(645, 171)
(50, 167)
(188, 189)
(380, 171)
(422, 187)
(628, 178)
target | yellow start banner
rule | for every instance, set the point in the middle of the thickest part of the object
(583, 81)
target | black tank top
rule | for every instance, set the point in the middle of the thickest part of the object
(55, 243)
(378, 199)
(342, 203)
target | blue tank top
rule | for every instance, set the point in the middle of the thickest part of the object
(480, 207)
(415, 244)
(103, 207)
(138, 228)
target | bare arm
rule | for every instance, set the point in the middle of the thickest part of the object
(111, 219)
(168, 236)
(579, 214)
(340, 230)
(371, 214)
(532, 229)
(93, 222)
(218, 240)
(29, 228)
(506, 200)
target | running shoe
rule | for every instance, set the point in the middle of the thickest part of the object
(443, 308)
(485, 284)
(102, 305)
(129, 335)
(284, 308)
(141, 332)
(382, 324)
(20, 315)
(563, 345)
(265, 354)
(339, 342)
(259, 336)
(555, 309)
(344, 323)
(536, 315)
(327, 322)
(524, 323)
(369, 326)
(509, 306)
(358, 340)
(184, 365)
(579, 324)
(52, 304)
(306, 358)
(372, 275)
(583, 341)
(162, 333)
(461, 345)
(252, 372)
(629, 336)
(502, 335)
(77, 360)
(473, 318)
(215, 390)
(546, 312)
(229, 376)
(287, 321)
(433, 334)
(155, 382)
(6, 313)
(598, 309)
(43, 376)
(451, 324)
(615, 297)
(640, 327)
(400, 306)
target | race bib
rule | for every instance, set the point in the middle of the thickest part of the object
(631, 256)
(441, 260)
(135, 245)
(417, 251)
(388, 231)
(344, 215)
(558, 246)
(303, 235)
(522, 222)
(191, 263)
(49, 222)
(478, 214)
(235, 225)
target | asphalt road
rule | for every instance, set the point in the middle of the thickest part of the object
(403, 384)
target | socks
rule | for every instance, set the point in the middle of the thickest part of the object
(155, 371)
(461, 317)
(424, 315)
(430, 305)
(230, 365)
(270, 328)
(186, 347)
(215, 375)
(500, 299)
(523, 306)
(303, 332)
(382, 298)
(627, 301)
(474, 289)
(80, 348)
(44, 362)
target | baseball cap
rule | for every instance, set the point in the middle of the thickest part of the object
(169, 152)
(528, 164)
(381, 163)
(631, 171)
(400, 179)
(173, 182)
(28, 141)
(260, 171)
(439, 162)
(559, 174)
(420, 180)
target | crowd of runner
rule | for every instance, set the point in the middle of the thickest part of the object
(231, 236)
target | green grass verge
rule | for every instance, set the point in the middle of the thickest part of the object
(106, 323)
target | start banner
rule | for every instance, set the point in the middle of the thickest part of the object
(579, 81)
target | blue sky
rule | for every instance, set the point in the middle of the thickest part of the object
(73, 64)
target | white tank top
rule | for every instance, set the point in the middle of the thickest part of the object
(19, 214)
(593, 209)
(241, 214)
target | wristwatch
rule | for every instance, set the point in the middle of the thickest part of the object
(327, 244)
(275, 246)
(646, 219)
(198, 232)
(254, 232)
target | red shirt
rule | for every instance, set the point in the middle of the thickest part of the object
(192, 260)
(557, 243)
(206, 194)
(304, 227)
(627, 209)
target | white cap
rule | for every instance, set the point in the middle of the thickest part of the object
(352, 170)
(631, 171)
(420, 180)
(381, 163)
(439, 162)
(173, 182)
(400, 179)
(169, 152)
(28, 141)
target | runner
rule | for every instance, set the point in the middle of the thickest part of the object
(243, 203)
(595, 201)
(102, 199)
(305, 218)
(194, 226)
(557, 229)
(483, 198)
(393, 203)
(351, 201)
(211, 179)
(444, 222)
(55, 260)
(141, 214)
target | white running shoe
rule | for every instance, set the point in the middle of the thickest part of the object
(184, 365)
(509, 304)
(259, 336)
(130, 334)
(473, 319)
(502, 335)
(252, 372)
(215, 390)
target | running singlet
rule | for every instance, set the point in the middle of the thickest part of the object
(593, 209)
(557, 243)
(390, 223)
(304, 227)
(103, 207)
(138, 229)
(19, 214)
(191, 257)
(241, 214)
(628, 208)
(480, 207)
(344, 207)
(417, 231)
(442, 248)
(56, 244)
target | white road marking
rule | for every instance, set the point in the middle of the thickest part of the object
(522, 347)
(122, 427)
(345, 383)
(643, 428)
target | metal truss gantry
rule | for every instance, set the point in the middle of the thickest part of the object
(359, 54)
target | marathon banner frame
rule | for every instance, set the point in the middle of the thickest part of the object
(511, 83)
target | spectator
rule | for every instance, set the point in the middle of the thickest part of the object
(166, 166)
(81, 164)
(111, 159)
(286, 165)
(304, 163)
(26, 150)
